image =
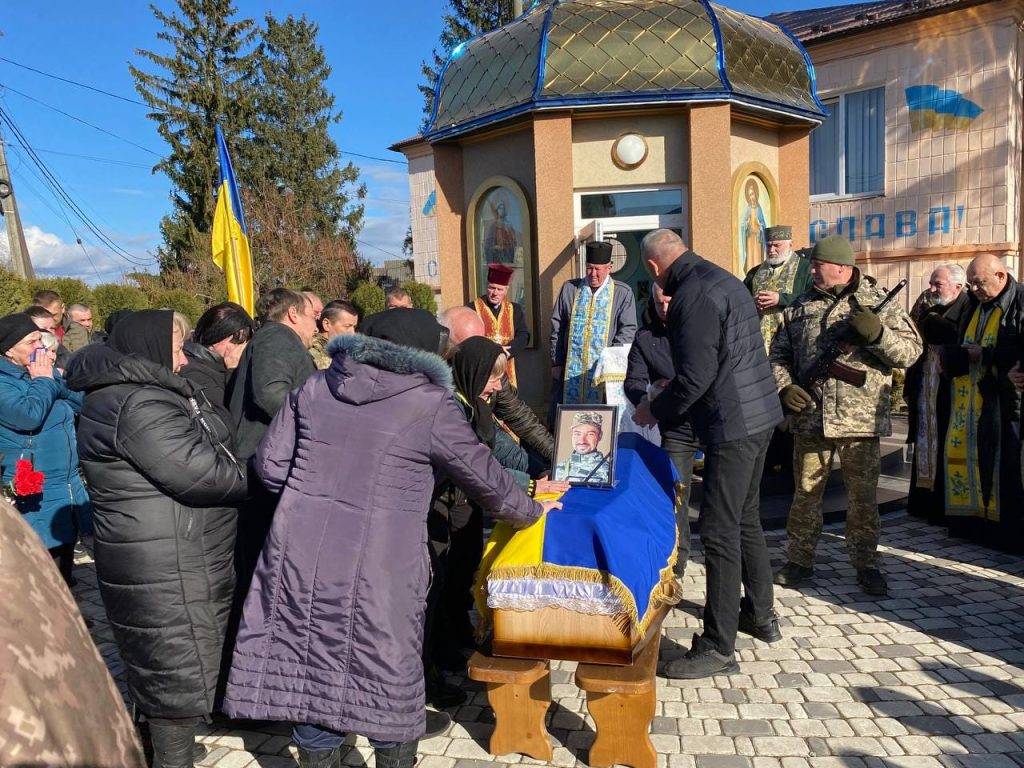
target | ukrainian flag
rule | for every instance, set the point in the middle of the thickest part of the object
(934, 109)
(230, 237)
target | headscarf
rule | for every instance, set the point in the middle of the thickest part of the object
(14, 328)
(147, 334)
(114, 318)
(221, 322)
(472, 364)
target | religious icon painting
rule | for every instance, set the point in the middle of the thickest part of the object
(755, 208)
(498, 232)
(585, 437)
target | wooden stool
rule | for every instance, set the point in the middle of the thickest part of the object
(519, 691)
(622, 702)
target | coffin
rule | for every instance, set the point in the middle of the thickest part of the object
(592, 581)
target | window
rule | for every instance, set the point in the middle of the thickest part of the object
(848, 149)
(655, 202)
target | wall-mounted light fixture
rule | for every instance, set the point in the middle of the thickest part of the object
(629, 151)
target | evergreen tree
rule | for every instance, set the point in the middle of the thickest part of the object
(465, 19)
(294, 111)
(207, 78)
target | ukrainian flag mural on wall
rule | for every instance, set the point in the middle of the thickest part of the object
(935, 109)
(230, 237)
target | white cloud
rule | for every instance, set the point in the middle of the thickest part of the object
(53, 256)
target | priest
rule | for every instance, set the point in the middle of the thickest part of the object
(504, 320)
(591, 313)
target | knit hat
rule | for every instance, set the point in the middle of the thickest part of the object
(415, 328)
(834, 249)
(599, 252)
(14, 328)
(780, 232)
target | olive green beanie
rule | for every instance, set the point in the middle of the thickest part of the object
(834, 249)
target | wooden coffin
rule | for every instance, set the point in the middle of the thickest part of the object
(558, 633)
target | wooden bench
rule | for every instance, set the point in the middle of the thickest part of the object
(519, 691)
(622, 701)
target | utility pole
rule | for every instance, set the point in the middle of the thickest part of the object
(21, 264)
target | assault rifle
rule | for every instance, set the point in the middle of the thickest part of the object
(827, 365)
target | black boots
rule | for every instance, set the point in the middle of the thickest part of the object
(399, 756)
(173, 745)
(320, 758)
(872, 582)
(791, 575)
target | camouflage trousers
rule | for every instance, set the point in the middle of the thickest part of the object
(812, 464)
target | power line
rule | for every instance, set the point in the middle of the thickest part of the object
(110, 160)
(382, 250)
(143, 104)
(78, 119)
(74, 82)
(55, 186)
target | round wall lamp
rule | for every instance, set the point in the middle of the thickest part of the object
(629, 151)
(5, 188)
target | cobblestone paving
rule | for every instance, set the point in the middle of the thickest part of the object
(931, 676)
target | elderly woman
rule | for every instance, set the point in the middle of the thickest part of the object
(37, 425)
(332, 629)
(162, 479)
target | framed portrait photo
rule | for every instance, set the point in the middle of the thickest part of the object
(585, 437)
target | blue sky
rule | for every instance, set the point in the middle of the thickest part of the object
(375, 49)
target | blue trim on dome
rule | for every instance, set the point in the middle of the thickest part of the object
(542, 59)
(667, 97)
(807, 61)
(723, 75)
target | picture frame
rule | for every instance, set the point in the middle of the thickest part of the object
(585, 445)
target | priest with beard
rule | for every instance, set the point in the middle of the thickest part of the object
(938, 315)
(504, 320)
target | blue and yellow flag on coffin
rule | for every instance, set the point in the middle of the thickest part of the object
(606, 552)
(230, 237)
(935, 109)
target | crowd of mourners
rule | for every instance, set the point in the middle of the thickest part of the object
(286, 515)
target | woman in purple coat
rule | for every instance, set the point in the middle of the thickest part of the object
(332, 628)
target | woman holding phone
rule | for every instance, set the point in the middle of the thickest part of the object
(38, 448)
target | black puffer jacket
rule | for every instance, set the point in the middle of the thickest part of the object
(722, 377)
(207, 373)
(523, 422)
(159, 482)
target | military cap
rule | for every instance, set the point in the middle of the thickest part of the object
(780, 232)
(834, 249)
(587, 417)
(599, 252)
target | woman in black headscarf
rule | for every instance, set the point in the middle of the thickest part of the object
(161, 477)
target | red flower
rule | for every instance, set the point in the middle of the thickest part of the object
(26, 482)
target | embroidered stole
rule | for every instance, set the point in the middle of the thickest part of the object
(927, 437)
(589, 326)
(500, 329)
(780, 279)
(963, 472)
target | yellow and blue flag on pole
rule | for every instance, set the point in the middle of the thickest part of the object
(230, 237)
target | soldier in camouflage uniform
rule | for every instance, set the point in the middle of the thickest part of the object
(849, 420)
(586, 462)
(58, 705)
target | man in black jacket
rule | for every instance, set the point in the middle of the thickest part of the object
(724, 384)
(274, 363)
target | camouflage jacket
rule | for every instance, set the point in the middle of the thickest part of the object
(846, 410)
(318, 351)
(58, 704)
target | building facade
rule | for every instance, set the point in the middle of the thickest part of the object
(584, 119)
(919, 162)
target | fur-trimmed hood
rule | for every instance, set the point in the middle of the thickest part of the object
(366, 369)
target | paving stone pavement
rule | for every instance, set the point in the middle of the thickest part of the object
(931, 676)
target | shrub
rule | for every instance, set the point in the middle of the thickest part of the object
(71, 289)
(14, 292)
(368, 298)
(179, 300)
(422, 296)
(112, 297)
